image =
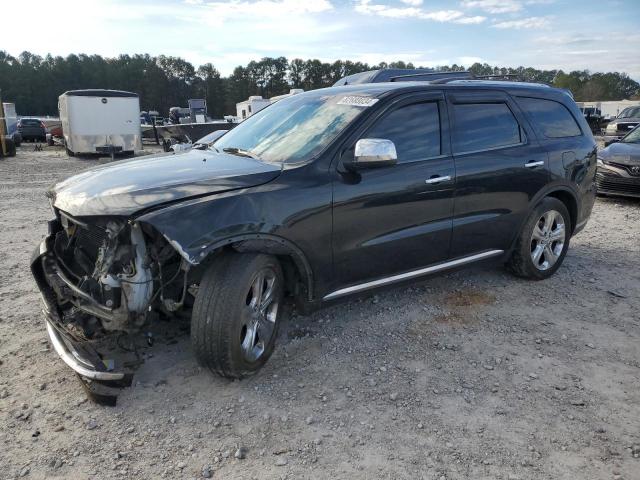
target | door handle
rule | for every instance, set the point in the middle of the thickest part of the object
(533, 164)
(438, 179)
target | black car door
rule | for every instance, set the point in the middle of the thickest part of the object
(500, 167)
(396, 218)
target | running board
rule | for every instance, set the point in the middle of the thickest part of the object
(412, 274)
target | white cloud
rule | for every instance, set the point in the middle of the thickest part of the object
(494, 6)
(220, 11)
(468, 61)
(471, 20)
(502, 6)
(524, 23)
(415, 3)
(454, 16)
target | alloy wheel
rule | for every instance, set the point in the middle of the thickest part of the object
(260, 314)
(547, 240)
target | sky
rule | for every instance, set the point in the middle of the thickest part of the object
(598, 35)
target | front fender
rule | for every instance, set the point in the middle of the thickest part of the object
(201, 226)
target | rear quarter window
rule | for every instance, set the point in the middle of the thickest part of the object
(552, 118)
(484, 126)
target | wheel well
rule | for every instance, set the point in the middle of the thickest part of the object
(296, 269)
(569, 202)
(297, 274)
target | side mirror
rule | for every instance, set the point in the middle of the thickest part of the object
(374, 152)
(609, 142)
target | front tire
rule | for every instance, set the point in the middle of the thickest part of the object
(543, 241)
(236, 314)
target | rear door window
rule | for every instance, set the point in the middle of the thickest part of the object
(414, 129)
(31, 123)
(553, 119)
(484, 126)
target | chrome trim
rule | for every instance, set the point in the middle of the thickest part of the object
(76, 364)
(435, 180)
(492, 149)
(412, 274)
(534, 164)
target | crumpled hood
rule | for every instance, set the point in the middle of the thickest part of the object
(623, 153)
(130, 186)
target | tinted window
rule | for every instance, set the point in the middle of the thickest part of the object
(481, 126)
(414, 129)
(30, 122)
(552, 118)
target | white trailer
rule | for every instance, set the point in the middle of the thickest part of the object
(100, 121)
(610, 108)
(256, 103)
(10, 117)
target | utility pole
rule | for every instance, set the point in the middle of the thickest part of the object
(3, 145)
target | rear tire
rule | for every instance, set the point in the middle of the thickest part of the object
(69, 152)
(543, 241)
(236, 314)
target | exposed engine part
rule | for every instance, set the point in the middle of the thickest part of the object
(134, 280)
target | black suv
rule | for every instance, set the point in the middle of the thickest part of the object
(319, 196)
(32, 129)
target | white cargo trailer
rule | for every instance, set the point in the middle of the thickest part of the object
(100, 121)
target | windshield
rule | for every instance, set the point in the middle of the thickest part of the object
(633, 136)
(296, 128)
(630, 112)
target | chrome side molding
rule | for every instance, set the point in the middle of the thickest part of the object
(412, 274)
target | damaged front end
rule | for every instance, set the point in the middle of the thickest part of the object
(102, 278)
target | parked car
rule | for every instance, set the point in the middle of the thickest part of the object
(32, 129)
(323, 195)
(619, 166)
(626, 121)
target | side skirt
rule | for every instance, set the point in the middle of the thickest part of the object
(412, 274)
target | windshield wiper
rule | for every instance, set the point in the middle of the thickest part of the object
(240, 151)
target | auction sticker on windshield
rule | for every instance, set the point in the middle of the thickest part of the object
(357, 101)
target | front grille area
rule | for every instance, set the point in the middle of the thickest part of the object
(90, 239)
(621, 185)
(629, 168)
(625, 127)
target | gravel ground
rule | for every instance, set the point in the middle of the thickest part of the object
(474, 374)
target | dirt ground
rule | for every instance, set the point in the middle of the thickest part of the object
(470, 375)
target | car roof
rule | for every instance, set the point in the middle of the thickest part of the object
(399, 74)
(381, 89)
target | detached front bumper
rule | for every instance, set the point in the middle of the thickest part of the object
(80, 356)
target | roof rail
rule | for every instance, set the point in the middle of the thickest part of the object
(496, 76)
(462, 74)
